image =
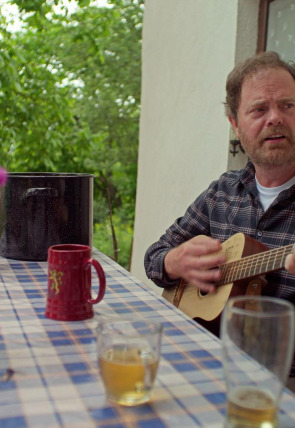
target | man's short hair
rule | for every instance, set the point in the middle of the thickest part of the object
(251, 66)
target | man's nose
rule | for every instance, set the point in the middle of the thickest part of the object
(275, 117)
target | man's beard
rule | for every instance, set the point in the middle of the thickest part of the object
(265, 154)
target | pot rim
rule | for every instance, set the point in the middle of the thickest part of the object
(48, 174)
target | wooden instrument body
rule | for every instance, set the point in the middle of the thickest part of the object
(240, 276)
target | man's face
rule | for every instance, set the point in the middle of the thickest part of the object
(266, 118)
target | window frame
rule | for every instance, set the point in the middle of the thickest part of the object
(263, 24)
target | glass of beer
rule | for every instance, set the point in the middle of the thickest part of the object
(128, 358)
(257, 348)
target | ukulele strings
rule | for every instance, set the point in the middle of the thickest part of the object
(253, 265)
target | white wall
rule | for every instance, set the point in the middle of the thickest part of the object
(189, 46)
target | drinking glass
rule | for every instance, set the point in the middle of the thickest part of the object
(128, 357)
(257, 348)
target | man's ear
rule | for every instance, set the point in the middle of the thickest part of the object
(234, 125)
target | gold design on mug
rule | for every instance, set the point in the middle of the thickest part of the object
(56, 278)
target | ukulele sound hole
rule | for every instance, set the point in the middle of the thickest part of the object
(202, 293)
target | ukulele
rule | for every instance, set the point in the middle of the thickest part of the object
(246, 259)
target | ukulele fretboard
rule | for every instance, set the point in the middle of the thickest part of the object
(254, 265)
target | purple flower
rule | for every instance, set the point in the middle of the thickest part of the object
(3, 176)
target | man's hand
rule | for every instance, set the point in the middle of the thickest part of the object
(196, 261)
(290, 263)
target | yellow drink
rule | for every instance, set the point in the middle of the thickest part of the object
(128, 374)
(251, 407)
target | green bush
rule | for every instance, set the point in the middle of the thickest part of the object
(102, 240)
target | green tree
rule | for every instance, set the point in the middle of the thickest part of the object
(69, 101)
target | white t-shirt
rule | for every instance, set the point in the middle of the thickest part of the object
(268, 194)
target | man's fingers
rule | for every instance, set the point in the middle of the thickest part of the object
(290, 263)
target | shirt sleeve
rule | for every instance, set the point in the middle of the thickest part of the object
(194, 222)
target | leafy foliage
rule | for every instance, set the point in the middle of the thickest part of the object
(69, 102)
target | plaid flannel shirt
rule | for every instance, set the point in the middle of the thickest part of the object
(231, 205)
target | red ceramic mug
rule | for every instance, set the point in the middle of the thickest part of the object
(69, 282)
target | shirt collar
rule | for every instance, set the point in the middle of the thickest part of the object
(247, 178)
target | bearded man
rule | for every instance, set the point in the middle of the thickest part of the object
(258, 201)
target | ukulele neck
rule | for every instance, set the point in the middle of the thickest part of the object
(254, 265)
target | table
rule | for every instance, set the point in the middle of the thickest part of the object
(49, 368)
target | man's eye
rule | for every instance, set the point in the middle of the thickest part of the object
(258, 110)
(289, 105)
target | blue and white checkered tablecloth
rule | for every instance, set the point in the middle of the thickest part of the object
(49, 373)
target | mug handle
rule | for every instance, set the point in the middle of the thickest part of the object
(102, 281)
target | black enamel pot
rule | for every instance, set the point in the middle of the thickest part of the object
(39, 209)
